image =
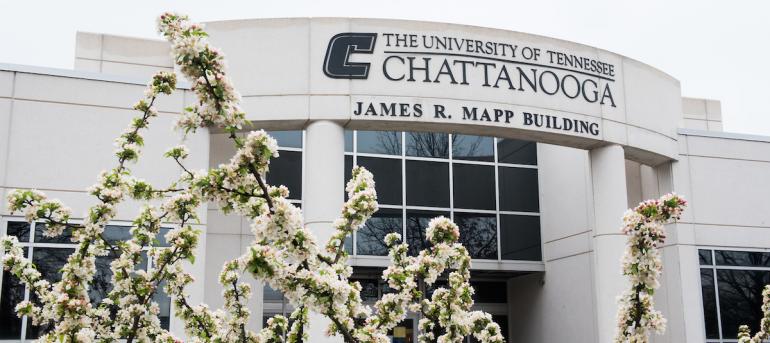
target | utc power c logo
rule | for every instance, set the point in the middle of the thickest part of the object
(337, 62)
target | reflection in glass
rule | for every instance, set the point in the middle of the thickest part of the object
(348, 141)
(427, 144)
(516, 151)
(704, 256)
(416, 223)
(387, 178)
(11, 294)
(369, 289)
(520, 238)
(49, 262)
(19, 229)
(473, 148)
(740, 299)
(709, 303)
(117, 233)
(379, 142)
(427, 183)
(370, 239)
(164, 304)
(287, 139)
(518, 189)
(270, 294)
(348, 174)
(742, 258)
(478, 234)
(474, 186)
(40, 237)
(287, 170)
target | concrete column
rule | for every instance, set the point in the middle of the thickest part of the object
(608, 175)
(323, 194)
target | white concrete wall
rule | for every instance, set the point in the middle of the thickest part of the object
(119, 55)
(701, 114)
(558, 306)
(56, 134)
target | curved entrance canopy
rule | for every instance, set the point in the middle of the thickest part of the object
(405, 75)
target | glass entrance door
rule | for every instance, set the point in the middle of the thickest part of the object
(404, 332)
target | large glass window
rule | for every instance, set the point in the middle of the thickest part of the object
(49, 255)
(488, 186)
(287, 168)
(731, 287)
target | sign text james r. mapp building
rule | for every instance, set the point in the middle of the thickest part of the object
(533, 145)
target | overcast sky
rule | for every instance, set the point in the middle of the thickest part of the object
(717, 49)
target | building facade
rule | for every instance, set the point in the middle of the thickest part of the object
(534, 146)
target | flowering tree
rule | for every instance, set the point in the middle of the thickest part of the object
(284, 253)
(744, 333)
(642, 265)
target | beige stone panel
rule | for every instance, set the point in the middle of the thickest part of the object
(564, 190)
(88, 45)
(44, 154)
(748, 149)
(333, 107)
(134, 70)
(695, 124)
(133, 50)
(220, 223)
(88, 92)
(92, 66)
(286, 112)
(714, 110)
(694, 108)
(738, 188)
(653, 99)
(266, 57)
(732, 237)
(6, 83)
(5, 127)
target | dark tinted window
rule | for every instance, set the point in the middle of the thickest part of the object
(348, 174)
(705, 257)
(40, 237)
(490, 292)
(520, 238)
(369, 289)
(709, 303)
(516, 151)
(370, 239)
(287, 170)
(379, 142)
(19, 229)
(478, 234)
(474, 186)
(116, 233)
(473, 148)
(49, 262)
(742, 258)
(287, 139)
(427, 183)
(12, 294)
(387, 178)
(348, 141)
(270, 294)
(416, 223)
(518, 189)
(740, 299)
(427, 144)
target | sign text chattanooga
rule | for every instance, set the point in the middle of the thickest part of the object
(442, 59)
